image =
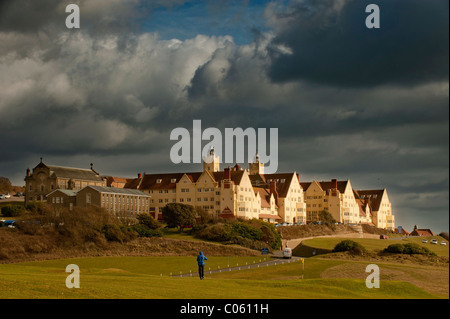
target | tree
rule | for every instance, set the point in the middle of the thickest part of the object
(178, 215)
(5, 185)
(147, 220)
(326, 218)
(203, 215)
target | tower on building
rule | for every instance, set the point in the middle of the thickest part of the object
(211, 163)
(256, 167)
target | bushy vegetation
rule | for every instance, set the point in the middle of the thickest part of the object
(409, 248)
(350, 246)
(179, 215)
(147, 226)
(13, 210)
(327, 219)
(252, 234)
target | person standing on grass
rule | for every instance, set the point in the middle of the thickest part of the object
(201, 265)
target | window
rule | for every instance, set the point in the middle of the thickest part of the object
(88, 198)
(159, 181)
(173, 180)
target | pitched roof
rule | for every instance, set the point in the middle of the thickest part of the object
(422, 232)
(74, 173)
(265, 196)
(236, 176)
(362, 207)
(120, 191)
(162, 181)
(326, 185)
(373, 197)
(169, 180)
(67, 192)
(283, 181)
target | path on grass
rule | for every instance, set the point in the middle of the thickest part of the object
(275, 259)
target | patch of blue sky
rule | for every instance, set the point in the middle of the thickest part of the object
(238, 19)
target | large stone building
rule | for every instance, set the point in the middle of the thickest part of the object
(118, 202)
(231, 193)
(347, 205)
(334, 196)
(380, 207)
(46, 178)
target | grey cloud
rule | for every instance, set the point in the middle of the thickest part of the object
(331, 45)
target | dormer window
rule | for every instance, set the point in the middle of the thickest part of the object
(159, 181)
(173, 180)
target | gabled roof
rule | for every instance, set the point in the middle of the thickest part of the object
(150, 181)
(236, 176)
(73, 173)
(422, 232)
(164, 181)
(283, 181)
(373, 197)
(362, 204)
(119, 191)
(67, 192)
(264, 194)
(327, 185)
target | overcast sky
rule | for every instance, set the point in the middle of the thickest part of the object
(369, 105)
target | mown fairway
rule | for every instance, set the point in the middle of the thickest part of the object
(140, 277)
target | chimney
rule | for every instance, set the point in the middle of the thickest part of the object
(334, 183)
(273, 190)
(227, 174)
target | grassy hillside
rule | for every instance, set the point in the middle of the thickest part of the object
(140, 277)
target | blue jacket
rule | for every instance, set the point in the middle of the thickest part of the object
(201, 259)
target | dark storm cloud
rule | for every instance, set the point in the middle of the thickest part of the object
(331, 45)
(112, 98)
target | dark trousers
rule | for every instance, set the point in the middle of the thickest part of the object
(201, 269)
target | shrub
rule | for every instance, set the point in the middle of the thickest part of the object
(147, 220)
(144, 231)
(395, 248)
(409, 248)
(351, 246)
(248, 233)
(246, 230)
(178, 215)
(113, 233)
(12, 210)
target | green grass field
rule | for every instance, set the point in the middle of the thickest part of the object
(380, 244)
(148, 277)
